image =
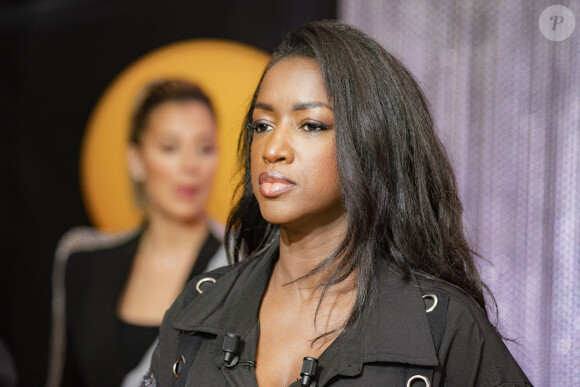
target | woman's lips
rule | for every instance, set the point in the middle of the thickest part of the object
(273, 184)
(186, 192)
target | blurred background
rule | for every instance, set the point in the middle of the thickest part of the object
(503, 79)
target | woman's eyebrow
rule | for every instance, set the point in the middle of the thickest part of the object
(296, 107)
(310, 105)
(263, 106)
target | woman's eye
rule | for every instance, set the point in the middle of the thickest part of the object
(208, 149)
(260, 127)
(168, 148)
(314, 126)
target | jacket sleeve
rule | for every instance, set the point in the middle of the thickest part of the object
(472, 353)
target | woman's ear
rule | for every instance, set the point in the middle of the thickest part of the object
(135, 164)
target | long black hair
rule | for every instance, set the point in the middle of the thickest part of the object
(396, 180)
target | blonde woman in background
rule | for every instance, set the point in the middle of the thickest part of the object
(117, 288)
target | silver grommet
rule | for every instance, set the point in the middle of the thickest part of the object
(418, 377)
(201, 281)
(434, 298)
(178, 366)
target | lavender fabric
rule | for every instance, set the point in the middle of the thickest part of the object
(506, 101)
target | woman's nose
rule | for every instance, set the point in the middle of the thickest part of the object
(278, 145)
(190, 160)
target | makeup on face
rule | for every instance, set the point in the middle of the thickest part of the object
(293, 155)
(273, 184)
(179, 157)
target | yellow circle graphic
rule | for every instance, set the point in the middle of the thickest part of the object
(227, 71)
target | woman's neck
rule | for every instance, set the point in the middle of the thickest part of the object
(295, 304)
(301, 252)
(172, 237)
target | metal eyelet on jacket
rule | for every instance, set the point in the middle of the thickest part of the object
(178, 366)
(419, 377)
(435, 300)
(201, 281)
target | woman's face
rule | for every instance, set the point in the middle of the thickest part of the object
(293, 153)
(177, 158)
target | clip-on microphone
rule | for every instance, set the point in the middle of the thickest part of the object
(308, 372)
(230, 348)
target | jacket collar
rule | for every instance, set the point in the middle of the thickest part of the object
(231, 304)
(393, 327)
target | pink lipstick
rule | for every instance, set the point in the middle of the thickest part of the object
(273, 184)
(186, 192)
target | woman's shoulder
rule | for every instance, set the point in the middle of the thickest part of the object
(462, 312)
(471, 346)
(459, 300)
(86, 254)
(84, 244)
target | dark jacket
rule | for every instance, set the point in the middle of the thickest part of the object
(396, 341)
(91, 345)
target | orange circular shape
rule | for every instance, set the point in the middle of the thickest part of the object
(227, 71)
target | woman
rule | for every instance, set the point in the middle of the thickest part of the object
(117, 289)
(353, 266)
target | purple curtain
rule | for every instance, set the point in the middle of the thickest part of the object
(504, 84)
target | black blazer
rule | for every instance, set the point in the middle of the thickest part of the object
(94, 279)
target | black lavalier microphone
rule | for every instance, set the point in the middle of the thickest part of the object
(230, 347)
(308, 372)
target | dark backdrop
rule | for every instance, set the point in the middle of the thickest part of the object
(56, 58)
